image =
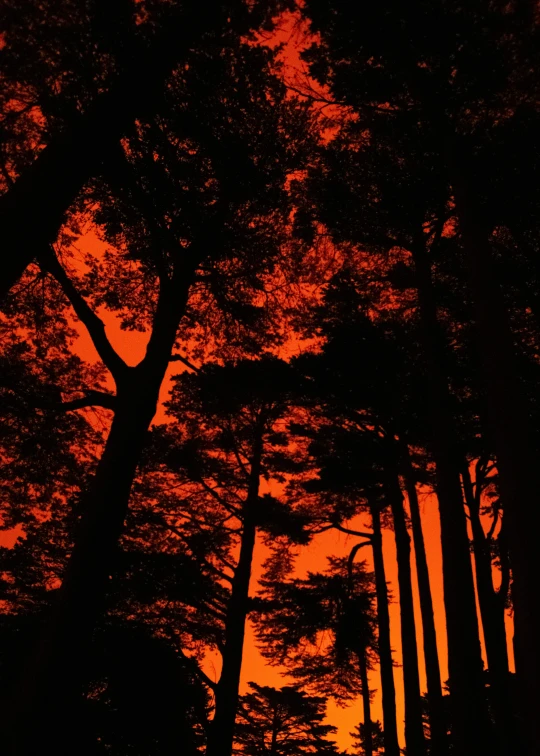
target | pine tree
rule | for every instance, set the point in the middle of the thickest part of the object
(323, 629)
(282, 721)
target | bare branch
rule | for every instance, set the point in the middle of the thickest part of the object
(350, 561)
(358, 533)
(94, 325)
(91, 398)
(185, 361)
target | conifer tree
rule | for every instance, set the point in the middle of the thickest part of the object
(283, 721)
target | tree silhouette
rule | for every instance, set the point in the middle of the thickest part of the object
(226, 444)
(144, 700)
(205, 236)
(140, 694)
(76, 76)
(282, 721)
(396, 218)
(322, 628)
(377, 739)
(443, 97)
(319, 221)
(363, 417)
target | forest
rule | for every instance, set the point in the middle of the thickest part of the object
(269, 378)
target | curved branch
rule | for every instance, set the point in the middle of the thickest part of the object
(197, 669)
(350, 561)
(94, 325)
(349, 531)
(185, 361)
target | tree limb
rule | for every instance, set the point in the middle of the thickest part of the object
(185, 361)
(350, 561)
(93, 324)
(358, 533)
(196, 669)
(91, 398)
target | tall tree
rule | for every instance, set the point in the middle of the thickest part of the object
(436, 709)
(421, 70)
(492, 602)
(76, 77)
(405, 211)
(224, 443)
(364, 413)
(187, 204)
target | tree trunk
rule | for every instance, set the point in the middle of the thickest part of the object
(51, 682)
(391, 743)
(492, 613)
(366, 704)
(509, 424)
(471, 727)
(275, 729)
(414, 729)
(49, 689)
(437, 717)
(220, 740)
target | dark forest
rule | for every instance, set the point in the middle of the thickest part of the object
(269, 378)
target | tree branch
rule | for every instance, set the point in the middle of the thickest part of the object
(358, 533)
(93, 324)
(350, 561)
(160, 520)
(91, 398)
(185, 361)
(197, 670)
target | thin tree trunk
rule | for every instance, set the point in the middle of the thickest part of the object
(414, 729)
(471, 727)
(366, 704)
(275, 729)
(437, 717)
(50, 684)
(510, 426)
(220, 740)
(391, 743)
(492, 621)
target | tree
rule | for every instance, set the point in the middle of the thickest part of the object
(366, 415)
(139, 692)
(405, 211)
(76, 77)
(377, 739)
(141, 696)
(493, 602)
(224, 443)
(323, 629)
(197, 235)
(282, 721)
(423, 73)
